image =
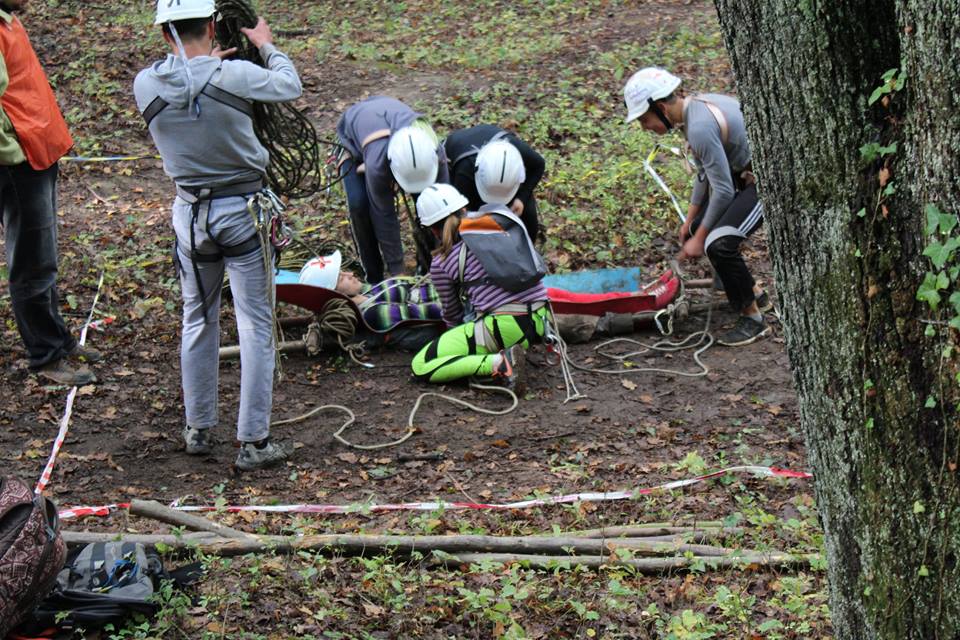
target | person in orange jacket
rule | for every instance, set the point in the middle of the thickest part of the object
(33, 138)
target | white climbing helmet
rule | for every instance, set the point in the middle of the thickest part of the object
(647, 85)
(172, 10)
(500, 172)
(412, 154)
(437, 202)
(322, 271)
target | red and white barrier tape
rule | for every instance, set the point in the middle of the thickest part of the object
(771, 472)
(68, 412)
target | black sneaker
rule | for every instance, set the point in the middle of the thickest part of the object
(764, 303)
(746, 331)
(62, 372)
(252, 457)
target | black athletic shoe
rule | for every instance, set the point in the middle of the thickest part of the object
(746, 331)
(764, 303)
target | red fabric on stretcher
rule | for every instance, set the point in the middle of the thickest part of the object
(654, 297)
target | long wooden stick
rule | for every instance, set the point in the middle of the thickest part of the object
(81, 538)
(156, 511)
(361, 544)
(643, 565)
(643, 531)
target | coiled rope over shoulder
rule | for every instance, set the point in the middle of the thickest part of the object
(297, 155)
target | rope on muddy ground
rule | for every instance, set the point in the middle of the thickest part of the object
(702, 339)
(411, 428)
(297, 155)
(68, 411)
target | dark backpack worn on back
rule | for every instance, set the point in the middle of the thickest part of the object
(31, 551)
(500, 241)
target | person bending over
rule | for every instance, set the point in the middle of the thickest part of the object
(462, 147)
(724, 209)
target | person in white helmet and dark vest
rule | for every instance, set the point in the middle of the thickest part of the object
(389, 146)
(494, 307)
(724, 208)
(33, 138)
(198, 106)
(462, 147)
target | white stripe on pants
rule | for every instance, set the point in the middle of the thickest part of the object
(229, 222)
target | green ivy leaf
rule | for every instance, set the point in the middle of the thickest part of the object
(940, 254)
(933, 219)
(862, 213)
(923, 572)
(930, 403)
(869, 424)
(942, 280)
(879, 91)
(955, 301)
(928, 291)
(918, 507)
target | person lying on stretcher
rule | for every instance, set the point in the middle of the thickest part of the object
(384, 305)
(387, 304)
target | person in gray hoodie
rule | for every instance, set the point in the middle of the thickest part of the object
(198, 107)
(371, 179)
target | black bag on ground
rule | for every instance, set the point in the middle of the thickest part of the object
(102, 583)
(31, 551)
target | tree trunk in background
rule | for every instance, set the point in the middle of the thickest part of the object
(885, 465)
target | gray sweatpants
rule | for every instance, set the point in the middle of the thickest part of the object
(228, 221)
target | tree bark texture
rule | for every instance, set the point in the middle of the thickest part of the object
(885, 465)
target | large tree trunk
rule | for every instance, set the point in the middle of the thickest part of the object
(885, 464)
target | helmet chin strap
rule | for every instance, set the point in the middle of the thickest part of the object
(657, 111)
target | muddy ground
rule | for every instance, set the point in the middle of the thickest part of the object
(634, 430)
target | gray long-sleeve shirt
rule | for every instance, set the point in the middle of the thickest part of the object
(202, 141)
(717, 164)
(358, 122)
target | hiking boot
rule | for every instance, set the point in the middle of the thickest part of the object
(510, 370)
(86, 354)
(746, 331)
(260, 455)
(198, 441)
(764, 303)
(62, 372)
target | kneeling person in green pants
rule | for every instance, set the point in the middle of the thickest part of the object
(490, 325)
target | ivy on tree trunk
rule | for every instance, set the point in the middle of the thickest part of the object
(849, 154)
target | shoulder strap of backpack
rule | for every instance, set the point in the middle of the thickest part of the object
(719, 117)
(474, 149)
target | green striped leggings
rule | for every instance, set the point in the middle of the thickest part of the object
(456, 354)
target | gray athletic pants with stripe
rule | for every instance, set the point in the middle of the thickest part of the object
(740, 220)
(227, 220)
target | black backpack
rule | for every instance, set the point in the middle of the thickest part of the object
(31, 551)
(500, 241)
(102, 583)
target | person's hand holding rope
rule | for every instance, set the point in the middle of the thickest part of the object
(260, 34)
